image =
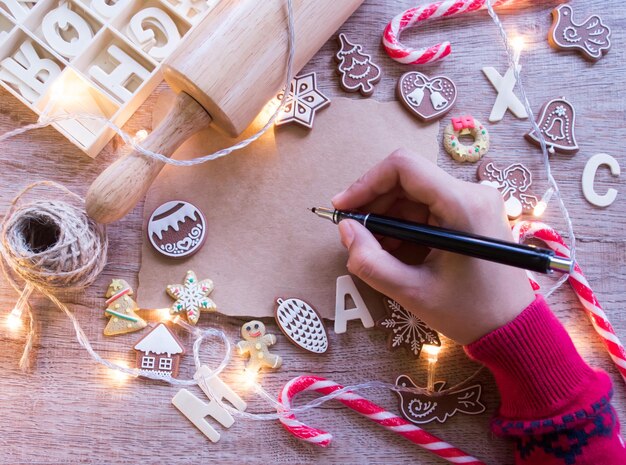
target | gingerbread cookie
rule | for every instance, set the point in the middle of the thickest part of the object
(256, 344)
(302, 325)
(592, 38)
(405, 329)
(121, 310)
(514, 184)
(425, 407)
(358, 73)
(302, 101)
(159, 352)
(191, 297)
(466, 125)
(556, 124)
(427, 98)
(177, 229)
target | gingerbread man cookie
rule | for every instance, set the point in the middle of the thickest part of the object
(592, 38)
(121, 310)
(358, 73)
(256, 344)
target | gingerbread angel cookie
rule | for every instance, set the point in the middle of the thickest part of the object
(592, 38)
(256, 344)
(358, 73)
(121, 310)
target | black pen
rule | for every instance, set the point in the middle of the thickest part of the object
(507, 253)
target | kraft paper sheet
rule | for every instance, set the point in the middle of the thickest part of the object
(262, 242)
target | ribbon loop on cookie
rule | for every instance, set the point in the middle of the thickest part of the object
(463, 122)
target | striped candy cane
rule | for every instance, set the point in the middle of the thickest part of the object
(369, 410)
(413, 16)
(525, 230)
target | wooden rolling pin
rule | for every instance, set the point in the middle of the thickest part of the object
(225, 72)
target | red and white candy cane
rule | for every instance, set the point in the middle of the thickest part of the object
(413, 16)
(368, 409)
(525, 230)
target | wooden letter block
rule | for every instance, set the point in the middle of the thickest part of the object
(17, 8)
(191, 9)
(346, 287)
(107, 8)
(195, 410)
(27, 71)
(589, 177)
(119, 80)
(154, 19)
(61, 20)
(215, 388)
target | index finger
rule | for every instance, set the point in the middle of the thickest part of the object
(421, 180)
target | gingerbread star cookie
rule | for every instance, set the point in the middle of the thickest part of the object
(191, 297)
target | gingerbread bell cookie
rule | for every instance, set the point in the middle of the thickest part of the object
(514, 183)
(302, 325)
(358, 73)
(591, 38)
(557, 126)
(177, 229)
(424, 407)
(406, 330)
(427, 98)
(466, 125)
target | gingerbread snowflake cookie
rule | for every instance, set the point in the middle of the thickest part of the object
(256, 344)
(591, 38)
(358, 73)
(301, 102)
(177, 229)
(425, 97)
(514, 183)
(406, 330)
(191, 297)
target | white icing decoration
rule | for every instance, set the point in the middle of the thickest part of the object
(589, 176)
(160, 341)
(506, 99)
(302, 325)
(174, 220)
(346, 287)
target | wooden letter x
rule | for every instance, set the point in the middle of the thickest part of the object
(195, 410)
(506, 99)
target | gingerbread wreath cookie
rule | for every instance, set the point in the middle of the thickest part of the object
(466, 125)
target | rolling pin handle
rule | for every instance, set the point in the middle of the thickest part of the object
(117, 190)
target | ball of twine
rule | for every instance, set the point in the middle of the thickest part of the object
(52, 244)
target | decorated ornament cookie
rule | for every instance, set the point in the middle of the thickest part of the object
(406, 330)
(302, 101)
(466, 125)
(358, 73)
(159, 352)
(121, 310)
(256, 344)
(427, 98)
(556, 123)
(177, 229)
(426, 407)
(506, 99)
(513, 182)
(591, 38)
(302, 325)
(191, 297)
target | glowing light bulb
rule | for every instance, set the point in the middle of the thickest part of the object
(542, 205)
(432, 352)
(518, 43)
(164, 314)
(141, 135)
(14, 319)
(119, 377)
(249, 378)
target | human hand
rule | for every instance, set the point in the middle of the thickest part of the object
(463, 298)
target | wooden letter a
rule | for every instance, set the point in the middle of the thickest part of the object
(346, 287)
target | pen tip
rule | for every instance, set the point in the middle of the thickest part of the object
(312, 209)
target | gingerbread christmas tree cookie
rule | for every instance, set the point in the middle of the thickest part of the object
(121, 310)
(191, 297)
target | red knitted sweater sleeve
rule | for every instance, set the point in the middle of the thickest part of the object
(555, 407)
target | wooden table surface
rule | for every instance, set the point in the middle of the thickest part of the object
(67, 410)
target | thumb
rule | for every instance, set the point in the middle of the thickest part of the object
(375, 266)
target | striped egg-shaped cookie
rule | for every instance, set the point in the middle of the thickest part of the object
(302, 325)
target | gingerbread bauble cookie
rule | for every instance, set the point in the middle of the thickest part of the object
(177, 229)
